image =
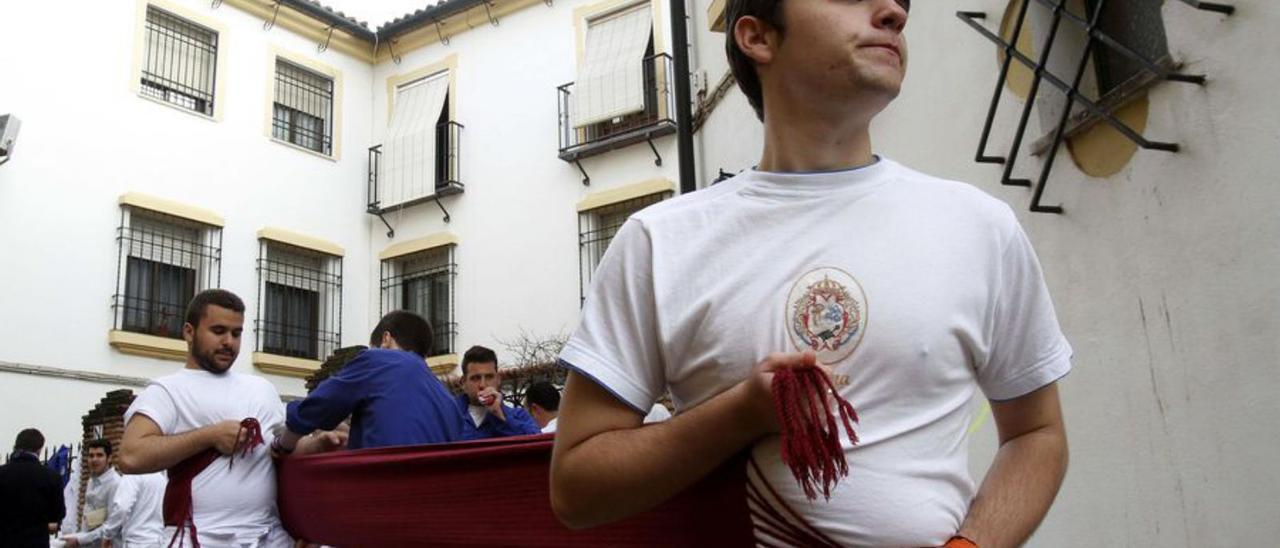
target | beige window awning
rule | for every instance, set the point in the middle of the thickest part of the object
(408, 165)
(611, 73)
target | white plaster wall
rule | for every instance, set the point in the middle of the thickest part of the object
(1164, 276)
(517, 224)
(54, 406)
(86, 139)
(732, 137)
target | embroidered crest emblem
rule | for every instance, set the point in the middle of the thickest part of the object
(827, 313)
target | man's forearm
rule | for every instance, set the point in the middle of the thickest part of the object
(619, 473)
(1019, 488)
(160, 452)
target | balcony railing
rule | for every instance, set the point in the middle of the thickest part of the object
(384, 197)
(657, 118)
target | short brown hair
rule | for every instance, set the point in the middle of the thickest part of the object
(216, 297)
(100, 443)
(410, 331)
(29, 440)
(744, 69)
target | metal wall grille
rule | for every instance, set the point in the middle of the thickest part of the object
(1122, 60)
(303, 110)
(596, 228)
(1140, 26)
(163, 261)
(180, 59)
(299, 301)
(423, 283)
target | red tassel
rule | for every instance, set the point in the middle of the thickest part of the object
(243, 446)
(811, 445)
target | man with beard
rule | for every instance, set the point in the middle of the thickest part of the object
(205, 425)
(100, 489)
(709, 294)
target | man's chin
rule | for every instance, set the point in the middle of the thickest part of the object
(215, 367)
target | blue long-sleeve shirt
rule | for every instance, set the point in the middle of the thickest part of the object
(392, 398)
(518, 422)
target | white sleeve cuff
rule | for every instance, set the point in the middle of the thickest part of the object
(605, 374)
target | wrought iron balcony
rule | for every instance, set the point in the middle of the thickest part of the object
(385, 194)
(655, 120)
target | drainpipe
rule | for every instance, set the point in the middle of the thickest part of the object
(684, 112)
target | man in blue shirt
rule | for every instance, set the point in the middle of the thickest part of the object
(485, 416)
(388, 391)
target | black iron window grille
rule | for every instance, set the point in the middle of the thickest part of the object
(596, 228)
(423, 283)
(299, 301)
(303, 108)
(1124, 67)
(180, 60)
(655, 120)
(163, 261)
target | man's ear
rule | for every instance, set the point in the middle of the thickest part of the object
(188, 332)
(757, 39)
(388, 341)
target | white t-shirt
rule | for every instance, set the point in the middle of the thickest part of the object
(478, 413)
(232, 504)
(551, 426)
(138, 503)
(134, 513)
(657, 413)
(919, 290)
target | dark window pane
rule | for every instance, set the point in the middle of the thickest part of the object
(156, 297)
(291, 321)
(428, 296)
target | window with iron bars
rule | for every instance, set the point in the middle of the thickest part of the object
(180, 61)
(303, 109)
(596, 228)
(299, 301)
(1093, 57)
(163, 261)
(423, 283)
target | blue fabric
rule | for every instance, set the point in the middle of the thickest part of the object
(60, 462)
(392, 398)
(518, 422)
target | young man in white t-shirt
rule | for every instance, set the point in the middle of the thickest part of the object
(185, 415)
(912, 292)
